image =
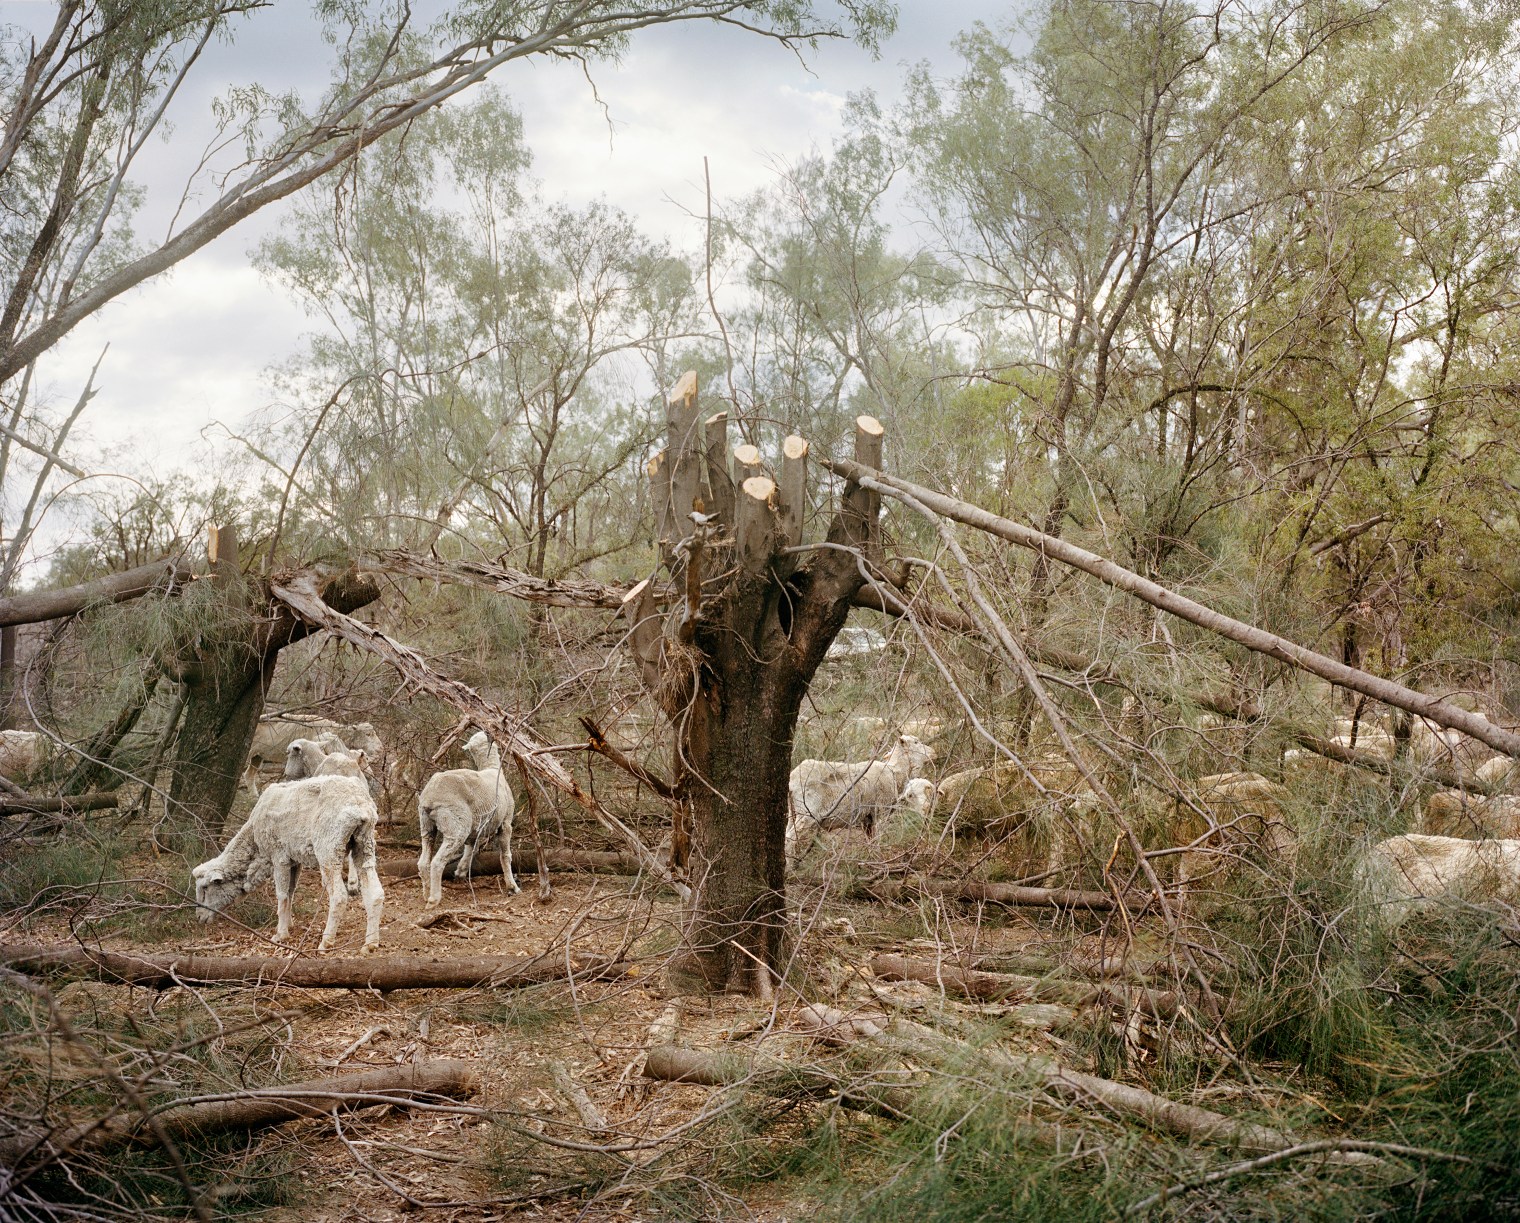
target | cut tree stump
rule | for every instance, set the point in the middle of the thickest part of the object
(246, 1110)
(368, 972)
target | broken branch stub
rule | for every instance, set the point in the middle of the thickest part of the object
(747, 463)
(688, 467)
(720, 484)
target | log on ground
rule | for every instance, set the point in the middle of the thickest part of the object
(39, 804)
(1010, 987)
(1011, 895)
(247, 1110)
(488, 862)
(367, 972)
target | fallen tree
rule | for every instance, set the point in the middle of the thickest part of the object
(29, 804)
(1012, 895)
(1260, 640)
(394, 1086)
(367, 972)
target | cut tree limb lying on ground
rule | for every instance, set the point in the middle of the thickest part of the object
(488, 862)
(1007, 987)
(1013, 895)
(31, 804)
(246, 1110)
(1385, 690)
(367, 972)
(300, 594)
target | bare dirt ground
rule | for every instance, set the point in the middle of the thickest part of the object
(524, 1159)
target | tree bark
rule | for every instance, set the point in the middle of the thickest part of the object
(38, 605)
(224, 696)
(1008, 987)
(42, 804)
(488, 862)
(367, 972)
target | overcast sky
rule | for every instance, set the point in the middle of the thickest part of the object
(194, 345)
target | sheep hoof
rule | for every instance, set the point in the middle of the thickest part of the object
(515, 888)
(369, 948)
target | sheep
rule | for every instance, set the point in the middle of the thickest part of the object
(1243, 811)
(1497, 773)
(1449, 813)
(830, 794)
(274, 735)
(316, 821)
(460, 808)
(1409, 872)
(307, 757)
(23, 755)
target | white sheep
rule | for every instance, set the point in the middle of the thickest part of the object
(459, 809)
(1409, 872)
(23, 754)
(273, 736)
(317, 821)
(307, 758)
(832, 794)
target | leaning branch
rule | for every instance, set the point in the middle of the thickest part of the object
(300, 594)
(1253, 638)
(38, 605)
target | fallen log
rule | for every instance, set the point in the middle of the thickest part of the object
(1183, 1120)
(1009, 987)
(246, 1110)
(37, 804)
(1011, 895)
(1389, 768)
(488, 862)
(774, 1077)
(369, 972)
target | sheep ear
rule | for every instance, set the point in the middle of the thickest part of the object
(361, 760)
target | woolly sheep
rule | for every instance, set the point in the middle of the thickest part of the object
(274, 735)
(1449, 813)
(1244, 812)
(459, 809)
(830, 794)
(1409, 872)
(306, 757)
(23, 754)
(317, 821)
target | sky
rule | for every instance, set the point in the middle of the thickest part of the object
(195, 346)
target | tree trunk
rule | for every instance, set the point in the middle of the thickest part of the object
(730, 662)
(226, 680)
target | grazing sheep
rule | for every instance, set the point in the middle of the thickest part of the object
(830, 794)
(918, 795)
(23, 755)
(317, 821)
(459, 809)
(1449, 813)
(273, 736)
(1497, 773)
(1409, 872)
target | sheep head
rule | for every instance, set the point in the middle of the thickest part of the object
(913, 752)
(919, 794)
(216, 887)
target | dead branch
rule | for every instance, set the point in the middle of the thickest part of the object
(1009, 894)
(254, 1109)
(884, 1095)
(555, 592)
(38, 605)
(300, 594)
(597, 742)
(488, 862)
(591, 1116)
(369, 972)
(36, 804)
(1389, 768)
(1008, 987)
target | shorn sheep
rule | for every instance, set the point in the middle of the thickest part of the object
(459, 809)
(273, 736)
(826, 794)
(1411, 872)
(326, 756)
(23, 754)
(318, 821)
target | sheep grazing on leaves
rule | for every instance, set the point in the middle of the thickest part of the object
(274, 735)
(826, 794)
(321, 822)
(459, 809)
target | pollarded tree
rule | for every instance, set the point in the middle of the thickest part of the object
(749, 614)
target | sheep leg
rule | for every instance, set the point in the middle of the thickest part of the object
(425, 858)
(337, 901)
(445, 851)
(504, 844)
(466, 859)
(374, 905)
(354, 885)
(286, 873)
